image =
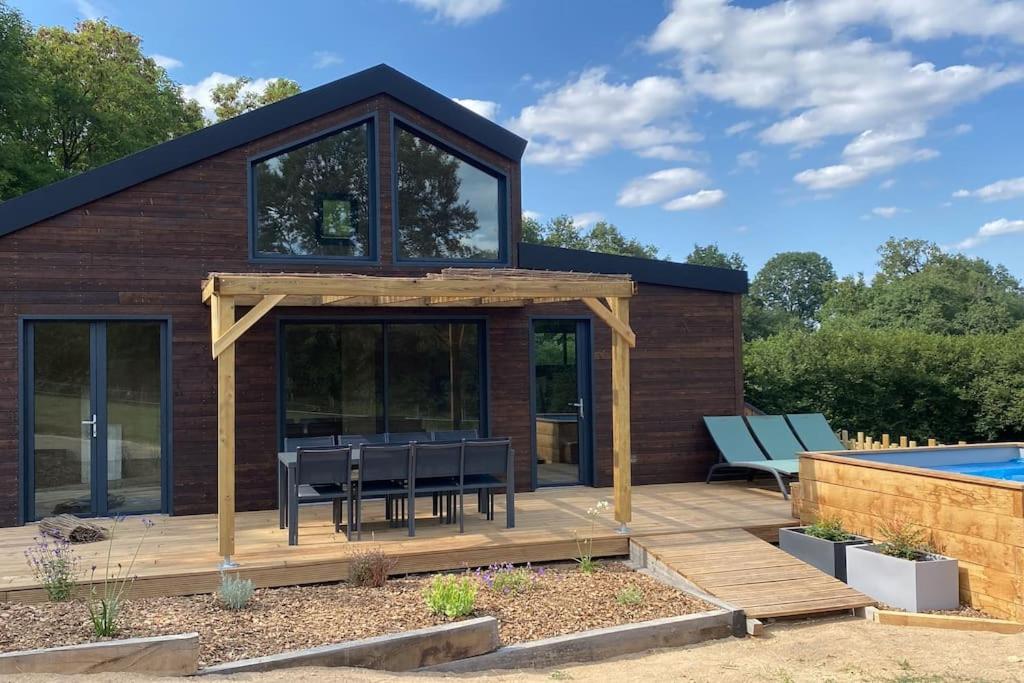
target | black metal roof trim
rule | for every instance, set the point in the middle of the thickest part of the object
(64, 195)
(650, 271)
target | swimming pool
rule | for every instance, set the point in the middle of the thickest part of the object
(994, 462)
(968, 500)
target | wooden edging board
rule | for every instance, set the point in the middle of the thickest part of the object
(945, 621)
(599, 644)
(176, 655)
(396, 652)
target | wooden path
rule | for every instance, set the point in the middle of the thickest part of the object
(749, 573)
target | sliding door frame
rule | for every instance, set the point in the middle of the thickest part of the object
(98, 390)
(483, 346)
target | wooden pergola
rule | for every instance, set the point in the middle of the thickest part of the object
(607, 296)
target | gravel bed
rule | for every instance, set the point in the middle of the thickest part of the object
(562, 600)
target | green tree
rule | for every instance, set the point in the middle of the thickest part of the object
(101, 97)
(604, 237)
(712, 255)
(899, 258)
(794, 282)
(21, 108)
(234, 98)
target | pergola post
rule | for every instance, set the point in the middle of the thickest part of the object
(621, 452)
(222, 312)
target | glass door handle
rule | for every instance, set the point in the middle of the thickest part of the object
(91, 422)
(579, 406)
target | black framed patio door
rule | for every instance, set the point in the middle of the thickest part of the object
(562, 414)
(95, 417)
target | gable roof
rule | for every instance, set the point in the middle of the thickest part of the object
(651, 271)
(64, 195)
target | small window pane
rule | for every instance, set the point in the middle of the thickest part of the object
(447, 207)
(315, 200)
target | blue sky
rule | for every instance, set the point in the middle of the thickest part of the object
(765, 127)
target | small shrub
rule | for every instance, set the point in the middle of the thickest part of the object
(904, 540)
(451, 596)
(829, 529)
(370, 567)
(55, 565)
(629, 595)
(235, 592)
(507, 578)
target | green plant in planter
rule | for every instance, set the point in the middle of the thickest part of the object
(235, 592)
(451, 596)
(629, 595)
(829, 529)
(904, 540)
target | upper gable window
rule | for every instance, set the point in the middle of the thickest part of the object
(315, 200)
(448, 207)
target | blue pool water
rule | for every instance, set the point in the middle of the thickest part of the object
(1012, 470)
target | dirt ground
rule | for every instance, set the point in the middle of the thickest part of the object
(819, 650)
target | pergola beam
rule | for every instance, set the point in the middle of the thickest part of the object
(618, 327)
(222, 314)
(621, 432)
(252, 317)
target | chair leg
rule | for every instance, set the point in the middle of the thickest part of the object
(359, 517)
(412, 512)
(348, 529)
(336, 514)
(462, 511)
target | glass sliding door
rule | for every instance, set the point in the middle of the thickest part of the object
(371, 378)
(96, 430)
(62, 418)
(561, 380)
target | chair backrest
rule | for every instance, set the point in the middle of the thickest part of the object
(376, 438)
(437, 459)
(455, 434)
(325, 465)
(384, 462)
(293, 443)
(406, 437)
(487, 456)
(351, 439)
(814, 432)
(734, 440)
(775, 436)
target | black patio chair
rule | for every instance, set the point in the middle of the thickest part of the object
(321, 474)
(489, 467)
(384, 471)
(437, 469)
(407, 437)
(455, 434)
(293, 443)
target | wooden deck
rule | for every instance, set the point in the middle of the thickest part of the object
(743, 570)
(180, 555)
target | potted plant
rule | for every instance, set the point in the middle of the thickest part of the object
(822, 545)
(903, 572)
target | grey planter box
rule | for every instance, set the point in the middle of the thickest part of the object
(915, 586)
(828, 556)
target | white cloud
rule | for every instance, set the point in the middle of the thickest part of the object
(887, 211)
(737, 128)
(659, 186)
(592, 115)
(870, 153)
(749, 159)
(887, 184)
(1000, 226)
(323, 59)
(962, 129)
(201, 91)
(535, 215)
(458, 11)
(704, 199)
(166, 62)
(587, 218)
(1011, 188)
(87, 9)
(484, 108)
(811, 62)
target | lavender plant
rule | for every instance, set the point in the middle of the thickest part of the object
(105, 607)
(55, 565)
(507, 578)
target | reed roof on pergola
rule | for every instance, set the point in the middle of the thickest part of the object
(607, 296)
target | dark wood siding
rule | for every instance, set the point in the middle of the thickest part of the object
(145, 250)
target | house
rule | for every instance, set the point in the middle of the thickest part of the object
(108, 391)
